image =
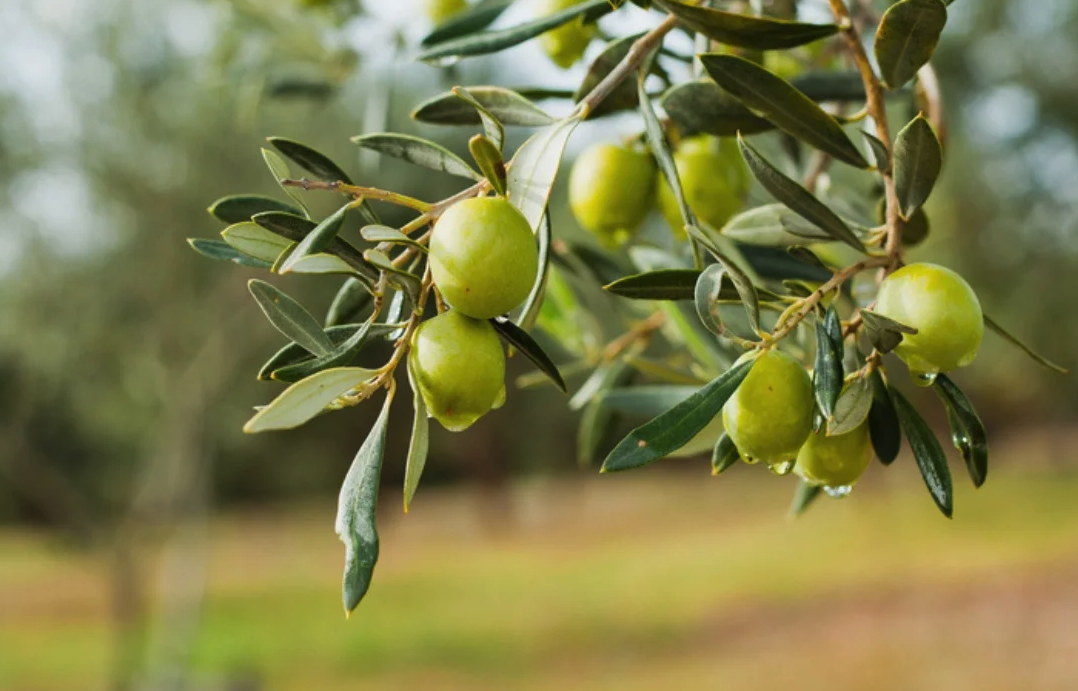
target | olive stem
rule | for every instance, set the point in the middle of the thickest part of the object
(877, 108)
(639, 331)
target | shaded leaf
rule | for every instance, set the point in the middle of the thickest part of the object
(852, 407)
(314, 162)
(724, 455)
(786, 107)
(805, 255)
(485, 42)
(342, 354)
(318, 239)
(419, 444)
(405, 280)
(475, 18)
(290, 318)
(489, 158)
(883, 332)
(356, 522)
(279, 169)
(804, 495)
(664, 284)
(648, 400)
(703, 106)
(827, 370)
(918, 160)
(509, 107)
(519, 339)
(677, 426)
(661, 150)
(238, 208)
(1007, 336)
(883, 426)
(927, 452)
(491, 125)
(529, 313)
(967, 430)
(222, 251)
(305, 399)
(797, 198)
(879, 151)
(421, 152)
(380, 234)
(294, 352)
(625, 94)
(906, 38)
(746, 31)
(534, 167)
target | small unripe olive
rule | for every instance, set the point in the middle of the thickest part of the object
(769, 417)
(483, 256)
(945, 311)
(835, 461)
(565, 44)
(610, 191)
(459, 368)
(714, 180)
(438, 11)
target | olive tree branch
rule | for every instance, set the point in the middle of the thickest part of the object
(877, 108)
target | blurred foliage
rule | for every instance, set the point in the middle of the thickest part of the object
(122, 122)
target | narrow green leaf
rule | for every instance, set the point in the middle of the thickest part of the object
(883, 426)
(485, 42)
(1007, 336)
(851, 409)
(350, 300)
(305, 399)
(797, 198)
(509, 107)
(625, 96)
(419, 445)
(405, 280)
(746, 31)
(883, 332)
(318, 239)
(594, 424)
(255, 241)
(787, 108)
(378, 234)
(772, 225)
(647, 400)
(489, 158)
(664, 284)
(320, 263)
(927, 452)
(724, 455)
(491, 125)
(775, 264)
(708, 287)
(417, 150)
(703, 106)
(356, 523)
(519, 339)
(827, 371)
(918, 160)
(341, 355)
(296, 228)
(967, 430)
(676, 427)
(474, 18)
(534, 167)
(660, 148)
(804, 495)
(314, 162)
(906, 38)
(529, 313)
(279, 169)
(238, 208)
(805, 255)
(290, 318)
(879, 151)
(294, 352)
(222, 251)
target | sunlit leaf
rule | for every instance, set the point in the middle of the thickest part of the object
(489, 158)
(419, 151)
(967, 430)
(746, 31)
(222, 251)
(509, 107)
(318, 239)
(290, 318)
(303, 400)
(238, 208)
(534, 167)
(491, 124)
(475, 17)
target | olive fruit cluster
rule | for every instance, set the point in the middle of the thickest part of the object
(769, 417)
(612, 188)
(483, 259)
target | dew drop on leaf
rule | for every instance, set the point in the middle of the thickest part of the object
(838, 492)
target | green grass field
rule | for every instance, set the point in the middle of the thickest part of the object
(652, 580)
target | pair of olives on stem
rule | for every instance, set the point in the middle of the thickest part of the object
(483, 259)
(769, 418)
(613, 187)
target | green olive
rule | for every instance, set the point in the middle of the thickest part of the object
(835, 461)
(565, 44)
(459, 368)
(713, 178)
(610, 191)
(769, 417)
(483, 256)
(945, 311)
(439, 11)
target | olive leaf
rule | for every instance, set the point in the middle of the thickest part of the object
(534, 167)
(222, 251)
(279, 169)
(804, 495)
(342, 354)
(307, 398)
(314, 162)
(255, 241)
(883, 332)
(772, 225)
(238, 208)
(906, 38)
(349, 301)
(491, 124)
(927, 452)
(295, 228)
(519, 339)
(647, 400)
(420, 443)
(883, 425)
(703, 106)
(475, 17)
(294, 353)
(508, 106)
(489, 158)
(918, 160)
(356, 523)
(781, 103)
(379, 234)
(663, 284)
(746, 31)
(417, 150)
(724, 455)
(967, 430)
(708, 288)
(1013, 340)
(677, 426)
(827, 371)
(852, 407)
(797, 198)
(625, 95)
(318, 239)
(290, 318)
(529, 312)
